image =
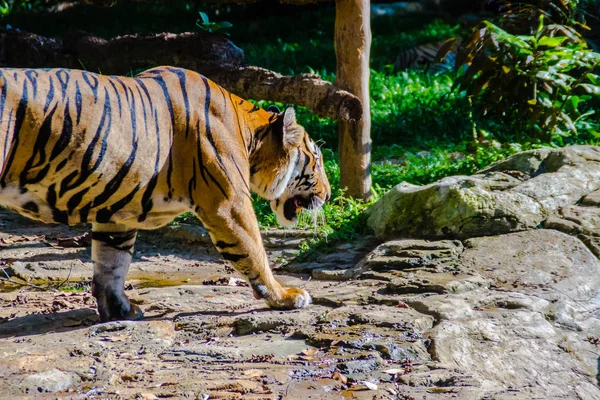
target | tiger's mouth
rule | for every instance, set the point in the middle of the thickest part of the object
(287, 210)
(293, 206)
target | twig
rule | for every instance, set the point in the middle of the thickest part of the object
(66, 280)
(9, 279)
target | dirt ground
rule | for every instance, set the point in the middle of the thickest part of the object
(424, 320)
(203, 335)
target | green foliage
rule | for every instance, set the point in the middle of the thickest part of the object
(522, 17)
(204, 23)
(9, 6)
(542, 82)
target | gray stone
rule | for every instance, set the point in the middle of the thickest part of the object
(537, 260)
(51, 381)
(512, 195)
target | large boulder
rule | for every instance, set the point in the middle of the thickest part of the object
(514, 194)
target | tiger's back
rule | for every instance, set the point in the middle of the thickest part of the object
(81, 147)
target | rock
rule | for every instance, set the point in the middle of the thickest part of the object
(515, 194)
(51, 381)
(397, 255)
(542, 260)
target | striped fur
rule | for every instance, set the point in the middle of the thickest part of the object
(133, 153)
(428, 56)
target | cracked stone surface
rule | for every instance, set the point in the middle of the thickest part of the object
(512, 195)
(514, 316)
(508, 314)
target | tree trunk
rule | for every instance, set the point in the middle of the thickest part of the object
(352, 48)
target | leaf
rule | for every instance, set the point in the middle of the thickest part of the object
(593, 89)
(253, 373)
(369, 385)
(311, 351)
(225, 24)
(551, 41)
(338, 376)
(394, 371)
(593, 78)
(118, 338)
(204, 17)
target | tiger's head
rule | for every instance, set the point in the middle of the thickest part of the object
(286, 167)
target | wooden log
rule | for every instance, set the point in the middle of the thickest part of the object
(319, 96)
(352, 48)
(209, 54)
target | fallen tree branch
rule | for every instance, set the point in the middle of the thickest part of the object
(209, 54)
(309, 90)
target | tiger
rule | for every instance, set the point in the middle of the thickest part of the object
(132, 153)
(435, 57)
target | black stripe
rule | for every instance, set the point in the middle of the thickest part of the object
(75, 200)
(143, 110)
(116, 240)
(50, 95)
(78, 101)
(237, 115)
(223, 245)
(32, 76)
(61, 165)
(58, 216)
(233, 257)
(38, 152)
(64, 82)
(182, 81)
(210, 137)
(92, 82)
(117, 95)
(87, 169)
(115, 183)
(192, 182)
(3, 90)
(163, 85)
(243, 179)
(10, 116)
(145, 89)
(19, 118)
(169, 174)
(199, 153)
(104, 215)
(65, 135)
(84, 212)
(31, 206)
(147, 196)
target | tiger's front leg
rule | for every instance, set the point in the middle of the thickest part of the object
(234, 232)
(112, 250)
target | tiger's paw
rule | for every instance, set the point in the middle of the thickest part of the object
(290, 299)
(115, 306)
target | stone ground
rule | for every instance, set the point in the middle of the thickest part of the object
(515, 316)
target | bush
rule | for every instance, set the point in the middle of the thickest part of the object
(542, 82)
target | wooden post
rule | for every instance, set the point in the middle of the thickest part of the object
(352, 48)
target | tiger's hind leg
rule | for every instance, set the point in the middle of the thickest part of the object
(112, 250)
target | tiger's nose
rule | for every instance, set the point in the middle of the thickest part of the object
(327, 197)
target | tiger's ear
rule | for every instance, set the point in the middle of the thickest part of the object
(274, 109)
(292, 132)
